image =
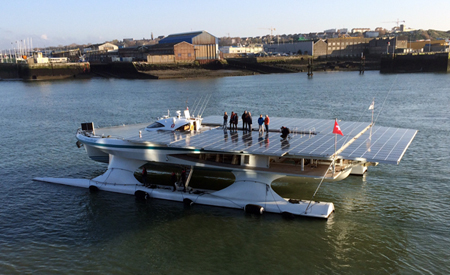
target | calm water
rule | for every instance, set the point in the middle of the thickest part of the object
(394, 220)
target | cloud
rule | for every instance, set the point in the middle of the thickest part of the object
(44, 37)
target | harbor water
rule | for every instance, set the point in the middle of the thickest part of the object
(394, 220)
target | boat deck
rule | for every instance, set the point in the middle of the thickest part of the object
(309, 138)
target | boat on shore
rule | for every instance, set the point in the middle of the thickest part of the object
(255, 158)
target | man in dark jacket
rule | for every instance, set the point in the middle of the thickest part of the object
(244, 120)
(231, 120)
(235, 120)
(225, 120)
(249, 121)
(284, 132)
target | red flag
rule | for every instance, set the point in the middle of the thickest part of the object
(337, 129)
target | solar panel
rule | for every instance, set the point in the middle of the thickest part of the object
(385, 145)
(309, 138)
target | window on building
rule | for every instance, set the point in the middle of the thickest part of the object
(179, 55)
(189, 54)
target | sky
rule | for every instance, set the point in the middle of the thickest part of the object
(63, 22)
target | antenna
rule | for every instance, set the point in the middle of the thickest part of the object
(201, 105)
(196, 102)
(205, 104)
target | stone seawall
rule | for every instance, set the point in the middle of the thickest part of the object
(9, 71)
(418, 62)
(119, 70)
(46, 71)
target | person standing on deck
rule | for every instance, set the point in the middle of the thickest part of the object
(173, 180)
(249, 121)
(266, 123)
(225, 120)
(244, 120)
(144, 176)
(260, 123)
(231, 120)
(284, 132)
(183, 179)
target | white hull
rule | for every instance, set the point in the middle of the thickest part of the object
(249, 188)
(359, 170)
(237, 195)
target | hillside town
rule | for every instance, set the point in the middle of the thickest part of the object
(360, 48)
(202, 46)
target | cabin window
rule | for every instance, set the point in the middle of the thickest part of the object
(246, 159)
(185, 127)
(155, 125)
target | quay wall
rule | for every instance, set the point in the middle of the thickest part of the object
(45, 71)
(119, 70)
(417, 62)
(9, 70)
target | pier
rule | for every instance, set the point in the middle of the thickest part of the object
(47, 71)
(415, 62)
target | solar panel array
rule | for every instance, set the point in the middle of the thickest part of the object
(380, 144)
(166, 138)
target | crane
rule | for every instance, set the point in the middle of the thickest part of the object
(398, 21)
(271, 31)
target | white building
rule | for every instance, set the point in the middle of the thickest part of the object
(108, 47)
(257, 48)
(361, 30)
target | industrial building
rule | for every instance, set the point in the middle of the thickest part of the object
(181, 52)
(309, 47)
(346, 46)
(321, 48)
(206, 46)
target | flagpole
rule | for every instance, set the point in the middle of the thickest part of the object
(335, 146)
(335, 149)
(373, 108)
(335, 138)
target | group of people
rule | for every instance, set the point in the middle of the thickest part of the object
(263, 121)
(247, 121)
(233, 121)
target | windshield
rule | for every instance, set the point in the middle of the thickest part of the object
(155, 125)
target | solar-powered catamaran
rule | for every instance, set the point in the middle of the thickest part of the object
(256, 159)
